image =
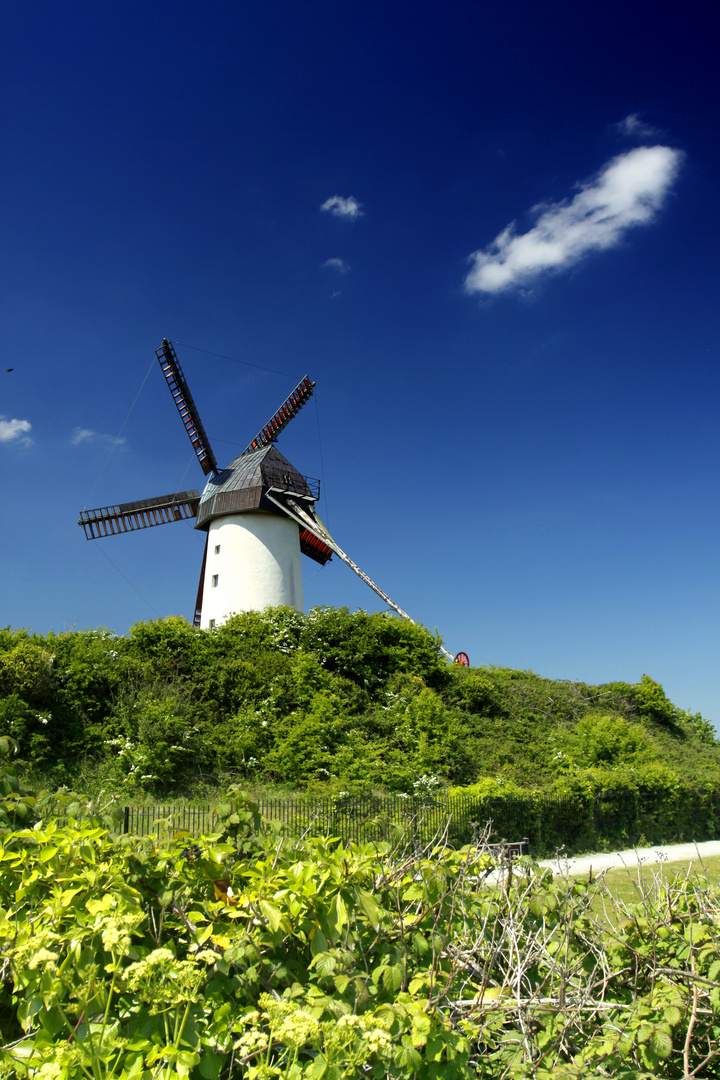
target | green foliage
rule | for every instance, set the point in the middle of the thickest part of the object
(245, 956)
(16, 804)
(329, 701)
(491, 787)
(653, 703)
(601, 741)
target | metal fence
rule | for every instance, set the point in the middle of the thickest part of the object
(577, 822)
(356, 818)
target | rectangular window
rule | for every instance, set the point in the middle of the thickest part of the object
(217, 549)
(214, 581)
(211, 624)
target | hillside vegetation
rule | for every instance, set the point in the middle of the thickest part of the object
(332, 700)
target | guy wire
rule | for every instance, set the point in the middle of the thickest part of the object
(117, 437)
(122, 574)
(234, 359)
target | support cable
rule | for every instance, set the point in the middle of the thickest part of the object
(234, 359)
(123, 574)
(300, 515)
(122, 428)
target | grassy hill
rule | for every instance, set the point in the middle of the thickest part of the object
(332, 700)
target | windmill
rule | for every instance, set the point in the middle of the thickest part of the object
(258, 514)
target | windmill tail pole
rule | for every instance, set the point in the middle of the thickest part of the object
(301, 516)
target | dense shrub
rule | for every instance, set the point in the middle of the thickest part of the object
(333, 699)
(246, 955)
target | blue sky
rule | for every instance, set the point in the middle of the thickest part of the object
(489, 233)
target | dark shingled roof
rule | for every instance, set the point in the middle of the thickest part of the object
(242, 485)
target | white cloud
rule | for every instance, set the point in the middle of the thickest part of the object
(628, 191)
(635, 128)
(337, 264)
(340, 207)
(86, 435)
(81, 435)
(15, 431)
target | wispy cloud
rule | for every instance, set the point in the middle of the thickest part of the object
(336, 264)
(627, 192)
(86, 435)
(635, 128)
(343, 208)
(15, 431)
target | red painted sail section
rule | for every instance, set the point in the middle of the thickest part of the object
(289, 408)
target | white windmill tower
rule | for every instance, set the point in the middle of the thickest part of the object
(258, 513)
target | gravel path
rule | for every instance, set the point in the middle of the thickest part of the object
(632, 857)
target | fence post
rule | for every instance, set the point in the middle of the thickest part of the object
(126, 822)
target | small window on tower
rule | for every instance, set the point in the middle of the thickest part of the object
(211, 624)
(214, 581)
(217, 549)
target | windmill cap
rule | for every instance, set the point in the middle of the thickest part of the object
(243, 484)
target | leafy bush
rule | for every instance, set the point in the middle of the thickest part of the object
(248, 955)
(16, 804)
(332, 700)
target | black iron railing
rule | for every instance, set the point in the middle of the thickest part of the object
(576, 822)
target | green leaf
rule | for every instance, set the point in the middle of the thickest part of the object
(422, 1022)
(87, 852)
(672, 1015)
(134, 1068)
(67, 894)
(185, 1061)
(420, 945)
(210, 1064)
(408, 1057)
(369, 906)
(318, 942)
(324, 963)
(272, 914)
(661, 1043)
(197, 917)
(379, 972)
(52, 1020)
(393, 978)
(102, 903)
(318, 1068)
(649, 1058)
(337, 915)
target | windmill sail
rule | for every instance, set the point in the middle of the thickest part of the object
(127, 517)
(307, 521)
(314, 547)
(289, 408)
(246, 498)
(186, 406)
